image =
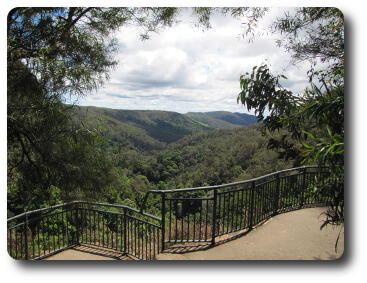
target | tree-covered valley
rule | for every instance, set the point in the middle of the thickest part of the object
(131, 152)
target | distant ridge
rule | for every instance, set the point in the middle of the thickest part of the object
(153, 129)
(223, 119)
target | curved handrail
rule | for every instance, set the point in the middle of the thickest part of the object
(204, 188)
(28, 213)
(207, 188)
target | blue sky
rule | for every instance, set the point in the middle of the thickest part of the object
(184, 68)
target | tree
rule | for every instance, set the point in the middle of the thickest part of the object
(315, 117)
(53, 53)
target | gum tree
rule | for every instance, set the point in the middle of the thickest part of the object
(314, 118)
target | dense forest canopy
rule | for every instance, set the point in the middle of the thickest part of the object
(56, 153)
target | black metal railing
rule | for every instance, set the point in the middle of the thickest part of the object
(41, 233)
(195, 215)
(202, 214)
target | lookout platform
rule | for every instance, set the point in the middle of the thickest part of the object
(293, 235)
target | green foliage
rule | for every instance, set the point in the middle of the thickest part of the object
(51, 53)
(315, 117)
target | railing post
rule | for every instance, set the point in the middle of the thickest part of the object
(277, 194)
(303, 187)
(252, 202)
(26, 236)
(163, 221)
(125, 231)
(214, 220)
(77, 223)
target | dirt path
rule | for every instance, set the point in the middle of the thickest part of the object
(290, 236)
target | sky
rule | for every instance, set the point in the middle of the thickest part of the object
(185, 69)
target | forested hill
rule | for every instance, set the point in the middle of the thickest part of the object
(152, 129)
(222, 119)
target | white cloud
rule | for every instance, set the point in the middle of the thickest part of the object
(186, 69)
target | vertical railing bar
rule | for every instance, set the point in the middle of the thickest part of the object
(146, 240)
(135, 236)
(254, 219)
(128, 235)
(176, 212)
(63, 227)
(266, 203)
(21, 242)
(154, 242)
(116, 231)
(108, 229)
(170, 219)
(77, 224)
(48, 234)
(95, 228)
(89, 226)
(33, 245)
(188, 226)
(10, 242)
(237, 210)
(142, 240)
(252, 195)
(58, 230)
(125, 232)
(43, 236)
(53, 234)
(103, 227)
(80, 229)
(224, 214)
(248, 209)
(219, 204)
(277, 198)
(228, 210)
(262, 202)
(206, 219)
(182, 221)
(241, 210)
(98, 230)
(214, 215)
(303, 186)
(25, 236)
(163, 221)
(150, 242)
(200, 218)
(111, 229)
(84, 225)
(232, 214)
(16, 243)
(194, 220)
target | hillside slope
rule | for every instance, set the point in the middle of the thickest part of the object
(152, 129)
(222, 119)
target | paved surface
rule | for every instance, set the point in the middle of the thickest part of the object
(290, 236)
(86, 252)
